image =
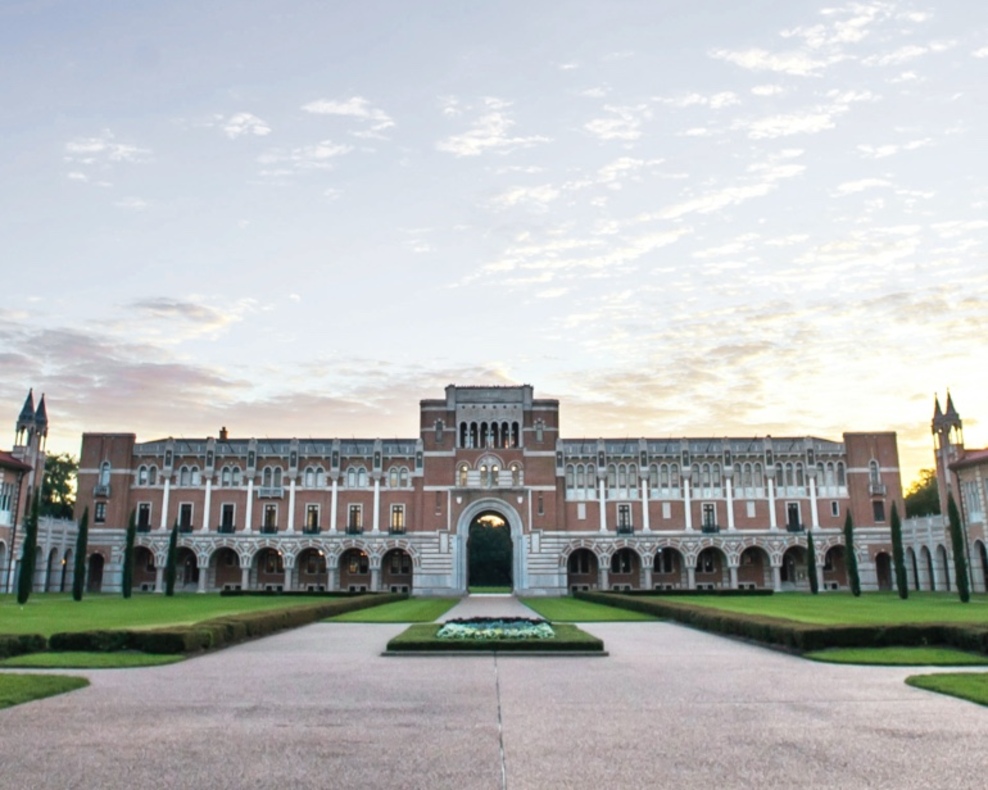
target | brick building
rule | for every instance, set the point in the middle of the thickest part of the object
(396, 514)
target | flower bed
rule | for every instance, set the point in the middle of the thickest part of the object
(488, 628)
(565, 638)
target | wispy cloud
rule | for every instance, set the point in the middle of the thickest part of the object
(490, 132)
(244, 123)
(376, 121)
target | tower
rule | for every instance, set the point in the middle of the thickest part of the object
(30, 438)
(948, 444)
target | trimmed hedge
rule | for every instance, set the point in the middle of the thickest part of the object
(215, 633)
(18, 644)
(715, 593)
(801, 637)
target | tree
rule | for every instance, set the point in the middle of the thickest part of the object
(29, 548)
(923, 496)
(957, 543)
(898, 555)
(58, 486)
(127, 582)
(171, 565)
(811, 563)
(853, 577)
(81, 547)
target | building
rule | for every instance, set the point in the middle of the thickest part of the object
(396, 514)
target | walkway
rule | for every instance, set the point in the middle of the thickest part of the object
(488, 606)
(319, 707)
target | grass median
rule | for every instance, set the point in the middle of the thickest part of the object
(899, 656)
(16, 689)
(85, 660)
(972, 686)
(572, 610)
(412, 610)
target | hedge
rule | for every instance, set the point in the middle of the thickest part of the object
(800, 637)
(18, 644)
(215, 633)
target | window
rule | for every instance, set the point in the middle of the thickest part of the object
(397, 518)
(185, 516)
(709, 514)
(516, 474)
(351, 478)
(624, 517)
(835, 508)
(878, 510)
(665, 562)
(581, 510)
(313, 564)
(226, 476)
(142, 476)
(439, 502)
(666, 510)
(358, 563)
(361, 478)
(792, 515)
(541, 505)
(144, 515)
(196, 480)
(104, 473)
(749, 509)
(439, 431)
(484, 480)
(874, 474)
(539, 431)
(461, 475)
(495, 475)
(393, 477)
(235, 476)
(153, 476)
(271, 517)
(621, 562)
(312, 518)
(355, 518)
(841, 475)
(184, 476)
(310, 477)
(403, 477)
(972, 502)
(579, 562)
(227, 514)
(401, 563)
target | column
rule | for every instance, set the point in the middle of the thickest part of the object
(159, 579)
(249, 514)
(646, 527)
(687, 507)
(377, 505)
(647, 582)
(205, 508)
(202, 578)
(291, 506)
(332, 507)
(602, 580)
(690, 577)
(777, 578)
(331, 574)
(288, 577)
(733, 570)
(814, 512)
(729, 486)
(164, 504)
(375, 584)
(772, 523)
(603, 507)
(245, 577)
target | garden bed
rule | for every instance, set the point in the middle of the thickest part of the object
(424, 639)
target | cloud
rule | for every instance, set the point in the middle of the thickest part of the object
(104, 151)
(891, 149)
(281, 162)
(376, 120)
(908, 52)
(539, 196)
(243, 123)
(624, 123)
(714, 101)
(795, 63)
(132, 204)
(168, 321)
(853, 187)
(489, 133)
(981, 52)
(767, 90)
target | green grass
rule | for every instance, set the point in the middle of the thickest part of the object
(838, 608)
(15, 689)
(412, 610)
(73, 660)
(490, 590)
(569, 638)
(899, 656)
(50, 613)
(572, 610)
(972, 686)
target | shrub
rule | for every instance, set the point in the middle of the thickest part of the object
(18, 644)
(91, 641)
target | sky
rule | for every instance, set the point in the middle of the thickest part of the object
(678, 217)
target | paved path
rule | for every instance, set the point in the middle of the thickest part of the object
(320, 708)
(488, 606)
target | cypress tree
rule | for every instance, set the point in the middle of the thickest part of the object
(81, 546)
(899, 555)
(25, 582)
(811, 563)
(171, 566)
(957, 543)
(127, 582)
(853, 578)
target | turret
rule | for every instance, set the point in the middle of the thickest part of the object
(948, 440)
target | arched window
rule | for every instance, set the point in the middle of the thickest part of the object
(570, 477)
(746, 476)
(351, 478)
(153, 476)
(495, 475)
(361, 478)
(591, 476)
(715, 472)
(277, 477)
(612, 476)
(393, 477)
(874, 474)
(142, 476)
(790, 479)
(515, 474)
(705, 475)
(184, 476)
(226, 476)
(758, 478)
(664, 476)
(235, 476)
(695, 475)
(403, 477)
(484, 480)
(196, 480)
(104, 473)
(310, 477)
(800, 478)
(674, 475)
(829, 474)
(632, 476)
(461, 475)
(622, 476)
(841, 475)
(266, 477)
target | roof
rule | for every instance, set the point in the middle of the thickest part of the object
(971, 458)
(9, 462)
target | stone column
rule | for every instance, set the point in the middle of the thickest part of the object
(603, 506)
(377, 505)
(647, 574)
(375, 583)
(291, 506)
(690, 577)
(814, 511)
(203, 572)
(287, 586)
(164, 504)
(729, 488)
(249, 510)
(646, 527)
(333, 498)
(733, 571)
(777, 578)
(602, 580)
(205, 507)
(772, 523)
(245, 577)
(332, 572)
(687, 507)
(159, 579)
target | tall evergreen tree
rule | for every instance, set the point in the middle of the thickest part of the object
(899, 555)
(811, 563)
(957, 543)
(29, 548)
(853, 577)
(171, 565)
(81, 547)
(127, 582)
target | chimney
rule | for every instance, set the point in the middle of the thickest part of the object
(223, 434)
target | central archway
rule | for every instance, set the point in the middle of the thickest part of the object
(490, 506)
(489, 552)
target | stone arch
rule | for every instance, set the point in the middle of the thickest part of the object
(396, 569)
(404, 545)
(268, 568)
(68, 570)
(309, 570)
(912, 567)
(575, 545)
(95, 566)
(186, 569)
(711, 567)
(582, 567)
(519, 563)
(835, 568)
(224, 568)
(355, 569)
(927, 572)
(668, 568)
(883, 570)
(981, 559)
(144, 569)
(625, 569)
(52, 565)
(754, 567)
(943, 566)
(794, 571)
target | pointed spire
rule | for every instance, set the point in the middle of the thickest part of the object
(951, 412)
(41, 415)
(27, 413)
(937, 411)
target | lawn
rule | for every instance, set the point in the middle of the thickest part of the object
(834, 608)
(481, 590)
(572, 610)
(972, 686)
(50, 613)
(899, 656)
(412, 610)
(15, 689)
(71, 660)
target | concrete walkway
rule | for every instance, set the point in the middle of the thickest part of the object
(319, 708)
(488, 606)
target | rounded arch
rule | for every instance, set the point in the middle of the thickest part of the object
(711, 566)
(668, 568)
(224, 568)
(912, 567)
(519, 565)
(355, 573)
(835, 568)
(52, 565)
(883, 570)
(310, 572)
(187, 567)
(396, 570)
(942, 567)
(625, 569)
(94, 572)
(582, 569)
(268, 568)
(927, 573)
(144, 569)
(981, 558)
(754, 568)
(793, 573)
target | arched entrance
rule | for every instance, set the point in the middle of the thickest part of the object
(513, 530)
(396, 571)
(883, 570)
(581, 570)
(794, 566)
(755, 569)
(94, 577)
(187, 575)
(835, 569)
(144, 569)
(982, 554)
(667, 569)
(489, 552)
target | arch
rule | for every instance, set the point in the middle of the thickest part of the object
(755, 568)
(519, 564)
(396, 571)
(883, 570)
(310, 572)
(793, 573)
(94, 573)
(926, 568)
(981, 552)
(625, 570)
(52, 565)
(835, 568)
(582, 570)
(187, 569)
(3, 566)
(355, 574)
(268, 569)
(224, 568)
(68, 570)
(668, 569)
(144, 569)
(942, 566)
(711, 567)
(912, 567)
